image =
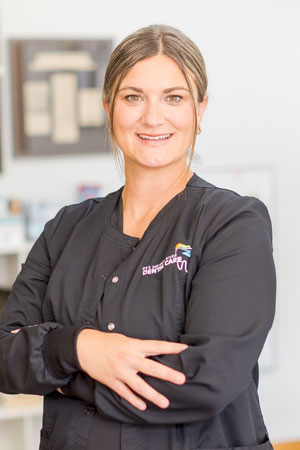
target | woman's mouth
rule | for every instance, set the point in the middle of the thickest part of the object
(154, 137)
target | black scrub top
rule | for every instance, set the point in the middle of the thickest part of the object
(202, 274)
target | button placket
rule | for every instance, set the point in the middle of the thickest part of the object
(111, 326)
(110, 305)
(114, 287)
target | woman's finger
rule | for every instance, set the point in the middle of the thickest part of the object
(158, 370)
(17, 331)
(152, 347)
(60, 391)
(145, 390)
(120, 388)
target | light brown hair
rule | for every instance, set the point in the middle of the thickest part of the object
(144, 43)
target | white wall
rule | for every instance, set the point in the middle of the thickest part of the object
(251, 49)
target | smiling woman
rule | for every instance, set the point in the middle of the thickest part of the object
(140, 316)
(177, 53)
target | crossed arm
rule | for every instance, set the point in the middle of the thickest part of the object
(229, 314)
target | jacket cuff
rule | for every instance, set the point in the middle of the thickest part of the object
(59, 350)
(80, 386)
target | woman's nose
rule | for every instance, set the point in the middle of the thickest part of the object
(152, 114)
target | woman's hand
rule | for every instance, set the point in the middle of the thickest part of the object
(19, 329)
(60, 391)
(115, 360)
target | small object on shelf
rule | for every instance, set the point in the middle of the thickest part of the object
(15, 206)
(12, 223)
(86, 191)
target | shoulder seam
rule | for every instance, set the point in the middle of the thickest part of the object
(218, 188)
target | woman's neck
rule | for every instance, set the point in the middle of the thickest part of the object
(146, 192)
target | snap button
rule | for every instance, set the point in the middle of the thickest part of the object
(88, 410)
(111, 326)
(86, 322)
(115, 279)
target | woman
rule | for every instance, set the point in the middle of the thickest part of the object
(141, 316)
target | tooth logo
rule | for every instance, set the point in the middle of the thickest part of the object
(186, 249)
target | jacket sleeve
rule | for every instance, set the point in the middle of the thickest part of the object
(26, 366)
(229, 313)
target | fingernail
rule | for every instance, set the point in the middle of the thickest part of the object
(164, 403)
(181, 378)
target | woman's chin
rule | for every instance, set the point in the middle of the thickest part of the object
(152, 160)
(154, 163)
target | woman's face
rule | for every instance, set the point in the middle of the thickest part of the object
(154, 115)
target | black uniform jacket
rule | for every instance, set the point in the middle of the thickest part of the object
(203, 274)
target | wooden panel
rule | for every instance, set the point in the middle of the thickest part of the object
(287, 446)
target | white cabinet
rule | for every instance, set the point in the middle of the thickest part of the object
(20, 427)
(20, 423)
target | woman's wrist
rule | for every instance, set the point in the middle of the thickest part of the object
(82, 344)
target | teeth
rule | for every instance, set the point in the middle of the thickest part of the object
(154, 138)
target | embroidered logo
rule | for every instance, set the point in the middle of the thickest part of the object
(176, 258)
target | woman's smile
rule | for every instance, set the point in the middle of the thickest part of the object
(155, 140)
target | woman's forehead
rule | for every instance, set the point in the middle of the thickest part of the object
(156, 68)
(159, 71)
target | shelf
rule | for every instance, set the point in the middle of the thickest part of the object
(20, 425)
(20, 412)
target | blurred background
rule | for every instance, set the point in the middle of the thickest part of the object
(55, 151)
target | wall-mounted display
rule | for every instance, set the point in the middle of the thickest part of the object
(1, 168)
(57, 96)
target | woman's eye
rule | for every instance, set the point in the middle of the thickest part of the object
(174, 98)
(133, 98)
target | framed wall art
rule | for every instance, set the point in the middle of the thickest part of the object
(57, 96)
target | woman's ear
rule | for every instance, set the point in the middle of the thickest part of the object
(201, 107)
(105, 106)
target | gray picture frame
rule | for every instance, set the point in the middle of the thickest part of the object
(56, 94)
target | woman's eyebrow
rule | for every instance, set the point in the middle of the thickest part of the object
(165, 91)
(176, 88)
